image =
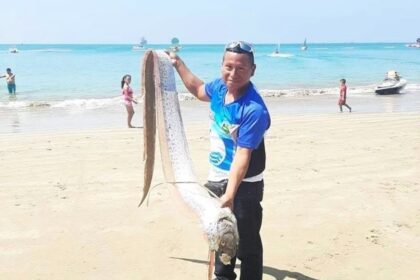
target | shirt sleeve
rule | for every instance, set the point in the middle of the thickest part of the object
(253, 127)
(211, 87)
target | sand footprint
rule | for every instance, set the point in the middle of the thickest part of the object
(374, 236)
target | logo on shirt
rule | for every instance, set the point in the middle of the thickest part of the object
(230, 129)
(225, 128)
(216, 158)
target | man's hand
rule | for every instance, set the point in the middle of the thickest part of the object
(226, 201)
(236, 174)
(191, 81)
(175, 59)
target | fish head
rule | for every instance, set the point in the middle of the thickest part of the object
(227, 248)
(228, 238)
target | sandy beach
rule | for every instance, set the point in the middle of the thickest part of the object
(341, 202)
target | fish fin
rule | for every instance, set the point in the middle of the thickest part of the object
(212, 260)
(149, 119)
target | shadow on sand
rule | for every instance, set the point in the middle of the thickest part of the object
(274, 272)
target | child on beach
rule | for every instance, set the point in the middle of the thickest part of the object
(127, 93)
(343, 96)
(10, 80)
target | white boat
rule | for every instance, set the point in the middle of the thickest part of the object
(277, 53)
(141, 46)
(415, 45)
(13, 50)
(138, 48)
(392, 84)
(283, 55)
(304, 46)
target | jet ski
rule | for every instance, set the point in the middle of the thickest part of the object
(415, 45)
(392, 84)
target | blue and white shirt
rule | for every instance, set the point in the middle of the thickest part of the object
(241, 123)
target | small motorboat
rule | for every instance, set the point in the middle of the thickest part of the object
(277, 53)
(392, 84)
(415, 45)
(13, 50)
(141, 46)
(138, 48)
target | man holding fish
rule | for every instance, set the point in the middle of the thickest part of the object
(239, 120)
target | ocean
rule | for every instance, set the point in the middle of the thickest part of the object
(85, 77)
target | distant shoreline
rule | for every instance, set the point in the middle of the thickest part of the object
(192, 44)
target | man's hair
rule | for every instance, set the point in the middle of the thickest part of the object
(343, 81)
(238, 49)
(8, 69)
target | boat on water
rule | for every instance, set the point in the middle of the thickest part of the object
(415, 45)
(138, 48)
(276, 50)
(392, 84)
(13, 50)
(141, 46)
(277, 53)
(304, 46)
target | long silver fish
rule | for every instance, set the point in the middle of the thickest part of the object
(161, 104)
(149, 118)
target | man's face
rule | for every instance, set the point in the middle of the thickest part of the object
(237, 70)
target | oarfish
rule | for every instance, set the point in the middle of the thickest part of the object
(161, 104)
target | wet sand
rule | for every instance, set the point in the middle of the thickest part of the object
(41, 118)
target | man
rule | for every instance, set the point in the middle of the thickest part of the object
(239, 119)
(10, 80)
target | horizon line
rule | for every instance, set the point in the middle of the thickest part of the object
(188, 43)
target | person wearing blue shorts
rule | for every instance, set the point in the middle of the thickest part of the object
(10, 80)
(239, 120)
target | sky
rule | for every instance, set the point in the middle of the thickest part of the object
(212, 21)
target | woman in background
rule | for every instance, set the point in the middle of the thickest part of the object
(127, 93)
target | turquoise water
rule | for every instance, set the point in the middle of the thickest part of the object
(91, 73)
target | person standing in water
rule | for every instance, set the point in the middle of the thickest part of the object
(127, 93)
(10, 80)
(343, 96)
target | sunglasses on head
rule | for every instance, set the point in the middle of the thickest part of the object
(239, 46)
